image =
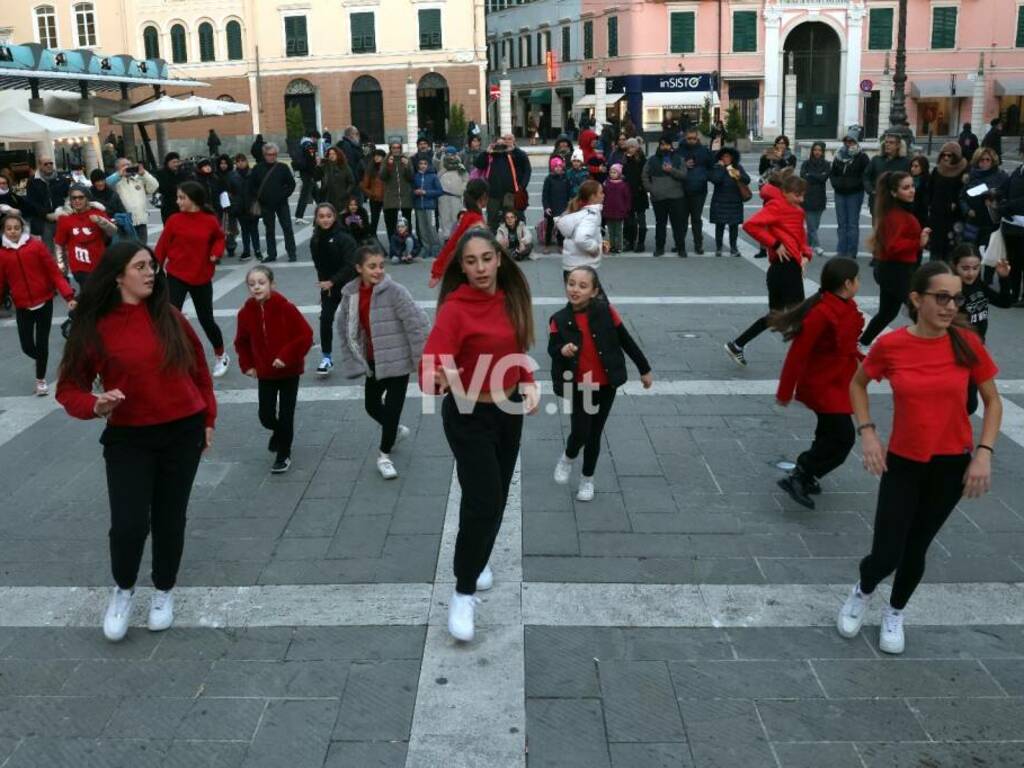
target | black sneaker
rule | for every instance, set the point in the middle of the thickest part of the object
(682, 254)
(733, 350)
(698, 249)
(659, 251)
(735, 253)
(268, 259)
(272, 445)
(793, 484)
(812, 485)
(281, 466)
(293, 258)
(245, 257)
(761, 254)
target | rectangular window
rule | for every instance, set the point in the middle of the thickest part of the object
(744, 31)
(540, 47)
(566, 44)
(296, 41)
(613, 35)
(364, 39)
(683, 35)
(430, 29)
(1020, 26)
(588, 40)
(46, 26)
(85, 25)
(547, 41)
(880, 29)
(943, 28)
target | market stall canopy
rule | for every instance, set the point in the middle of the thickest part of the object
(933, 88)
(588, 100)
(166, 109)
(21, 125)
(1009, 85)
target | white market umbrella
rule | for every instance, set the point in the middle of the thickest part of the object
(167, 109)
(22, 125)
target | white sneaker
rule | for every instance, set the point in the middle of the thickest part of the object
(586, 490)
(563, 469)
(386, 468)
(851, 615)
(115, 622)
(890, 634)
(220, 367)
(161, 611)
(403, 432)
(325, 367)
(460, 616)
(42, 388)
(485, 580)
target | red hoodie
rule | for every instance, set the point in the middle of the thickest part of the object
(587, 139)
(823, 356)
(31, 273)
(272, 330)
(779, 222)
(469, 324)
(467, 220)
(82, 240)
(132, 361)
(902, 237)
(186, 244)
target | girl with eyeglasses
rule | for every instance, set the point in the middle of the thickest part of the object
(931, 460)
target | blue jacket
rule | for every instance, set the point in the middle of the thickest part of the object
(697, 177)
(431, 184)
(555, 194)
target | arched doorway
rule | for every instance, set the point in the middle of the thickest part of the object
(432, 105)
(301, 93)
(366, 102)
(817, 57)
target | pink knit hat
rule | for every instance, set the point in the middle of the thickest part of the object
(556, 162)
(617, 167)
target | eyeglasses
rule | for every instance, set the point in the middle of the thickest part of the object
(942, 298)
(76, 197)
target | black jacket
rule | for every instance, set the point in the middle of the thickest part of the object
(354, 154)
(816, 174)
(334, 255)
(43, 197)
(278, 188)
(848, 173)
(1011, 198)
(169, 181)
(238, 192)
(613, 343)
(499, 176)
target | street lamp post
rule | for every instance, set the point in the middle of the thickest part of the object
(898, 114)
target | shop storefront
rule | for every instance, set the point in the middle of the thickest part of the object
(654, 101)
(938, 105)
(1009, 89)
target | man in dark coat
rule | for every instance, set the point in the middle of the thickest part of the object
(893, 157)
(698, 161)
(273, 199)
(994, 138)
(352, 148)
(497, 163)
(44, 194)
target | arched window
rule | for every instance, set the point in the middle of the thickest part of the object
(234, 34)
(85, 25)
(179, 50)
(46, 26)
(206, 41)
(151, 42)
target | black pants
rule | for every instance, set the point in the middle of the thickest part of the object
(785, 282)
(587, 428)
(277, 412)
(1014, 239)
(202, 300)
(734, 234)
(834, 437)
(34, 334)
(283, 215)
(329, 301)
(384, 400)
(306, 192)
(391, 219)
(914, 500)
(250, 226)
(673, 210)
(694, 212)
(635, 230)
(376, 206)
(150, 471)
(551, 231)
(486, 445)
(893, 280)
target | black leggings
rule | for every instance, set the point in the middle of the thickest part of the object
(34, 334)
(590, 410)
(785, 282)
(734, 234)
(834, 437)
(485, 443)
(250, 227)
(329, 301)
(202, 300)
(277, 412)
(150, 471)
(384, 400)
(376, 206)
(893, 278)
(914, 500)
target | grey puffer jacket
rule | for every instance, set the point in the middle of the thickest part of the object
(398, 329)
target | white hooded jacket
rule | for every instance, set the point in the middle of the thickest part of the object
(582, 233)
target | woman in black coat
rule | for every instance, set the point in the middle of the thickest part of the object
(632, 172)
(726, 202)
(920, 172)
(947, 181)
(815, 171)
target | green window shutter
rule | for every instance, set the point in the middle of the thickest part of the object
(234, 35)
(588, 40)
(1020, 27)
(613, 35)
(943, 28)
(566, 44)
(206, 42)
(296, 42)
(880, 29)
(363, 37)
(179, 51)
(151, 42)
(430, 29)
(744, 31)
(682, 29)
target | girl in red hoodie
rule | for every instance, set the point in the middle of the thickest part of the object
(271, 342)
(779, 228)
(476, 357)
(189, 248)
(32, 275)
(819, 365)
(475, 201)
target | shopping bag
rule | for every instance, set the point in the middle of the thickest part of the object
(996, 250)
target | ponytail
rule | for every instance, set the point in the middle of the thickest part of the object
(834, 275)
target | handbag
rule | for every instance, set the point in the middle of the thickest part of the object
(255, 209)
(520, 197)
(745, 193)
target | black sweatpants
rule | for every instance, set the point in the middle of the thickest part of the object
(694, 212)
(384, 400)
(277, 412)
(150, 471)
(34, 334)
(485, 443)
(250, 227)
(673, 210)
(785, 282)
(893, 278)
(202, 300)
(586, 427)
(329, 301)
(834, 437)
(914, 500)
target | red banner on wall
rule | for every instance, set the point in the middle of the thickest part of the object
(552, 66)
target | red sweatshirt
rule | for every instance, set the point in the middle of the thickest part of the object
(186, 244)
(823, 356)
(132, 361)
(469, 324)
(902, 237)
(779, 222)
(82, 240)
(31, 273)
(272, 330)
(467, 221)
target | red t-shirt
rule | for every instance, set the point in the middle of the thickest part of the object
(82, 240)
(365, 293)
(589, 366)
(929, 392)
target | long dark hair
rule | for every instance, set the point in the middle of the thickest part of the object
(476, 190)
(101, 296)
(835, 273)
(920, 282)
(885, 202)
(511, 280)
(196, 192)
(594, 278)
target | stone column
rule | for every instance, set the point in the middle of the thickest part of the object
(86, 115)
(127, 129)
(789, 113)
(850, 112)
(600, 103)
(884, 98)
(557, 118)
(978, 98)
(254, 104)
(505, 107)
(35, 104)
(772, 67)
(160, 128)
(412, 118)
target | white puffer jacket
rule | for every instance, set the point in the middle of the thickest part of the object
(582, 233)
(135, 192)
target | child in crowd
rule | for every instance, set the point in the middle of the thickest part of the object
(453, 178)
(597, 165)
(404, 245)
(578, 173)
(355, 221)
(581, 228)
(515, 236)
(555, 198)
(618, 201)
(333, 251)
(426, 190)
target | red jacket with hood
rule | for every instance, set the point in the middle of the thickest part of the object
(779, 222)
(272, 330)
(32, 274)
